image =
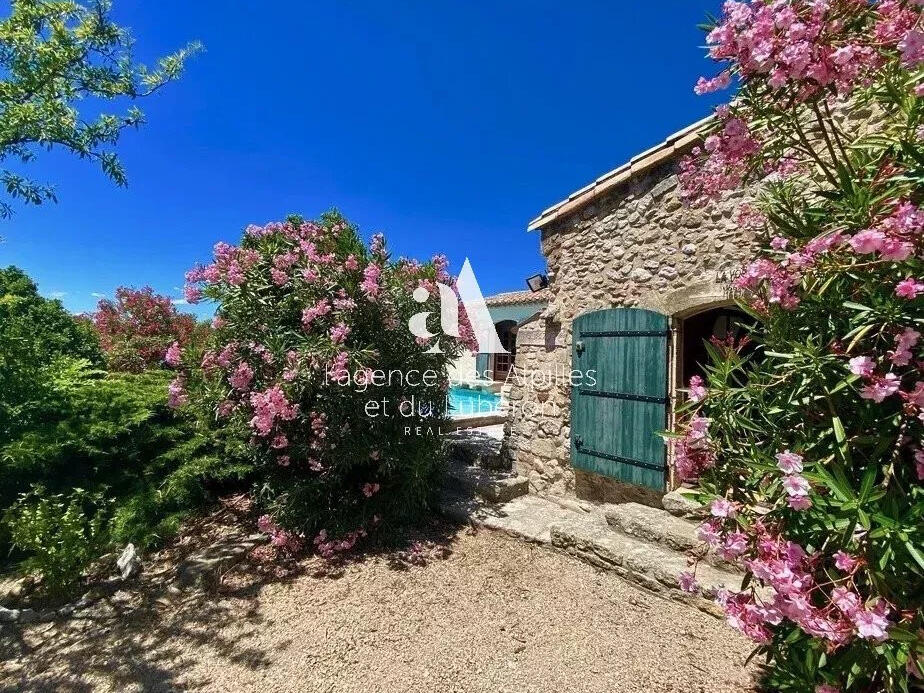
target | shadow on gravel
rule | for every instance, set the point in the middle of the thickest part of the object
(146, 636)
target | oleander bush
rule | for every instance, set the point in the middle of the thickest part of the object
(314, 372)
(810, 455)
(138, 329)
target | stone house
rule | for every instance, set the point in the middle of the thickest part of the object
(637, 282)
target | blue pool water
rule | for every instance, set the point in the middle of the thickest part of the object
(463, 401)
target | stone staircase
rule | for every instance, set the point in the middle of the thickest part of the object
(646, 546)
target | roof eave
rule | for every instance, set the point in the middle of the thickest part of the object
(674, 145)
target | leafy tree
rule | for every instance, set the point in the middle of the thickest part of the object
(35, 333)
(54, 54)
(137, 329)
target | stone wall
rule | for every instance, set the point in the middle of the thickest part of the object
(638, 246)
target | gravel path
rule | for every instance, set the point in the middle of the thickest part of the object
(494, 615)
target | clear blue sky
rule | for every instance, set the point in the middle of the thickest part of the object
(446, 125)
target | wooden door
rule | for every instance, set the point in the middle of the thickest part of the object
(621, 405)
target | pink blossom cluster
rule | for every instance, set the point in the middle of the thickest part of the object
(328, 547)
(809, 45)
(311, 313)
(697, 389)
(787, 586)
(370, 284)
(780, 278)
(722, 162)
(796, 486)
(895, 236)
(279, 537)
(174, 355)
(176, 393)
(693, 452)
(268, 406)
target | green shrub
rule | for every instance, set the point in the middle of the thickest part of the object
(308, 320)
(35, 333)
(62, 533)
(116, 432)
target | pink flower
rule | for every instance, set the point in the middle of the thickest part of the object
(909, 288)
(895, 250)
(242, 376)
(697, 390)
(687, 582)
(789, 462)
(919, 463)
(872, 623)
(708, 532)
(796, 485)
(174, 355)
(880, 387)
(779, 243)
(722, 508)
(912, 48)
(370, 490)
(192, 294)
(370, 284)
(339, 333)
(844, 561)
(279, 277)
(799, 502)
(861, 365)
(903, 345)
(826, 688)
(319, 309)
(707, 86)
(176, 393)
(845, 600)
(736, 543)
(279, 442)
(868, 241)
(350, 263)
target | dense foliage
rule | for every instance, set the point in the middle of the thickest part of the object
(66, 424)
(137, 330)
(62, 534)
(810, 455)
(37, 336)
(55, 54)
(314, 372)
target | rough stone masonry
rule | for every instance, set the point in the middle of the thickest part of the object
(626, 241)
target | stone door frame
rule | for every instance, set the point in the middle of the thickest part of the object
(679, 305)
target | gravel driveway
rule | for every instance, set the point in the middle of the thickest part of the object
(494, 615)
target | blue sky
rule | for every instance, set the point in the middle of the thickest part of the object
(446, 125)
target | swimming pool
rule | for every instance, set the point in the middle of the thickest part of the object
(464, 401)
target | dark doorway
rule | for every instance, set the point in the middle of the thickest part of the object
(506, 332)
(717, 323)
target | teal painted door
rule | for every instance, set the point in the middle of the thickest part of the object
(621, 403)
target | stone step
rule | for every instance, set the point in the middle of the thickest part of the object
(660, 527)
(651, 566)
(681, 503)
(493, 486)
(527, 517)
(653, 525)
